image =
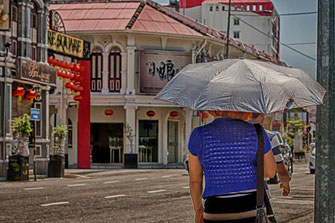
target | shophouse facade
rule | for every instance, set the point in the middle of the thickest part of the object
(136, 48)
(23, 63)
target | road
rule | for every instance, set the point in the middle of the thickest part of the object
(130, 196)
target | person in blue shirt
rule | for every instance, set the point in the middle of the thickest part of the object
(224, 151)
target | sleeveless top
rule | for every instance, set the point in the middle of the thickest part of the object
(227, 150)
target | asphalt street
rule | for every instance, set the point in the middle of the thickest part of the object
(131, 196)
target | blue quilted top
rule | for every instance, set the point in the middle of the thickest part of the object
(227, 150)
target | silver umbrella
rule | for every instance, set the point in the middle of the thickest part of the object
(242, 85)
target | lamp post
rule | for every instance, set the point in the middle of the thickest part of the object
(7, 45)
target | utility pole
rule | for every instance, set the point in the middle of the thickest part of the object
(325, 131)
(228, 30)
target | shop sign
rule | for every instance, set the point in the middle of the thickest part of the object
(36, 72)
(159, 67)
(69, 45)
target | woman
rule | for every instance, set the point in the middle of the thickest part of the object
(225, 151)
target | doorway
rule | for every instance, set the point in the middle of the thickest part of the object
(173, 141)
(148, 141)
(107, 142)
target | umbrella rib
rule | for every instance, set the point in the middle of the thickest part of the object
(278, 84)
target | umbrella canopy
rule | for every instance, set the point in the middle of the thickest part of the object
(242, 85)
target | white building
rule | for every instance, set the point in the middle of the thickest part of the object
(136, 47)
(255, 22)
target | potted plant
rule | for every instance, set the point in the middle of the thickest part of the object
(57, 161)
(130, 159)
(18, 168)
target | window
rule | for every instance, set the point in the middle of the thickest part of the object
(34, 20)
(223, 8)
(14, 28)
(69, 134)
(114, 70)
(211, 8)
(260, 7)
(237, 35)
(14, 13)
(96, 70)
(38, 150)
(254, 8)
(217, 8)
(33, 52)
(248, 7)
(33, 32)
(242, 7)
(236, 21)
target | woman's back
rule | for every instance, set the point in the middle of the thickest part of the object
(227, 150)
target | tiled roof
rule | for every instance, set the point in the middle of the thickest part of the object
(151, 20)
(96, 16)
(142, 16)
(117, 15)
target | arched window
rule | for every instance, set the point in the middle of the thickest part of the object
(96, 72)
(114, 70)
(34, 31)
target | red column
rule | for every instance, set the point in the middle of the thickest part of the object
(84, 122)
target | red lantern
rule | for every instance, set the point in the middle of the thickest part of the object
(174, 114)
(205, 115)
(80, 88)
(199, 113)
(276, 124)
(50, 60)
(60, 74)
(109, 113)
(19, 92)
(78, 98)
(151, 114)
(72, 76)
(76, 68)
(31, 96)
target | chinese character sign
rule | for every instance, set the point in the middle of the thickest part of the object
(159, 67)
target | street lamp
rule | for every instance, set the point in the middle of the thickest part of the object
(7, 46)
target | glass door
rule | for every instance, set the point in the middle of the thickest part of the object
(148, 141)
(172, 141)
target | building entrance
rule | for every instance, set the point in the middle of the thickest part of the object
(172, 141)
(148, 141)
(106, 142)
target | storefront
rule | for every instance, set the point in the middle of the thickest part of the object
(36, 80)
(131, 60)
(24, 71)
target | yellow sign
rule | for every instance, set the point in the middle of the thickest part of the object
(65, 44)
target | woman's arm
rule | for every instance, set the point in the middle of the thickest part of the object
(196, 181)
(269, 165)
